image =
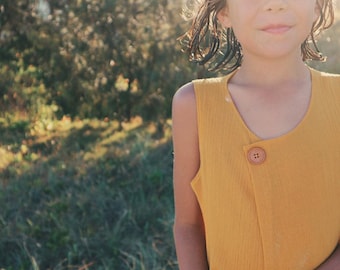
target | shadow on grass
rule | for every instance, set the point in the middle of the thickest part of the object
(90, 196)
(14, 132)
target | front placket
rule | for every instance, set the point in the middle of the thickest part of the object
(257, 156)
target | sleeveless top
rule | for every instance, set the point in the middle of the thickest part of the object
(269, 204)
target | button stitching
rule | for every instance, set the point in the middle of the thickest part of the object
(256, 155)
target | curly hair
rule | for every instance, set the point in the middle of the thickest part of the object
(207, 42)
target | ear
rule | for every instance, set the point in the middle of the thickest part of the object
(223, 17)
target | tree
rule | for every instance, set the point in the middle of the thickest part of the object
(98, 58)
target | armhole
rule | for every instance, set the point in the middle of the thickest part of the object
(196, 178)
(196, 184)
(198, 117)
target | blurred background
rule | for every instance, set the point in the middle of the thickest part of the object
(85, 131)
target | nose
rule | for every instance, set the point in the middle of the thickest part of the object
(275, 5)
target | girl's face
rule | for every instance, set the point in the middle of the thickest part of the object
(270, 28)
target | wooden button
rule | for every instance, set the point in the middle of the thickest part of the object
(256, 155)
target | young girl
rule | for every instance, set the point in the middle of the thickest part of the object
(257, 152)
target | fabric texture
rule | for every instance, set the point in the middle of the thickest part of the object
(284, 211)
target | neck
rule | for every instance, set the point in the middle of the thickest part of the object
(269, 73)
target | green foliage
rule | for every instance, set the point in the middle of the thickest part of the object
(83, 201)
(73, 60)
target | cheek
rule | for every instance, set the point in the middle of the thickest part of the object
(240, 21)
(309, 18)
(317, 11)
(316, 15)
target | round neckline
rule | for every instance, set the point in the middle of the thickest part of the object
(253, 136)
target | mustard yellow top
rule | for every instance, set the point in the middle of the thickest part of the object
(269, 204)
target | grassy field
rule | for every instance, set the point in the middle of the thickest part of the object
(85, 195)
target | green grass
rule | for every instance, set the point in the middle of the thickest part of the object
(85, 195)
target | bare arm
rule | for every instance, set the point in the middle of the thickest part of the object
(333, 261)
(188, 227)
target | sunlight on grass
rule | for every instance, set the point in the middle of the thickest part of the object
(104, 136)
(95, 193)
(6, 157)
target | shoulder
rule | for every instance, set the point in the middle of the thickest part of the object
(185, 93)
(330, 75)
(184, 100)
(184, 116)
(326, 76)
(188, 93)
(327, 82)
(185, 130)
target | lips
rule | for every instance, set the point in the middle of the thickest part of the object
(276, 28)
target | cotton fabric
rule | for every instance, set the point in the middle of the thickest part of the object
(283, 213)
